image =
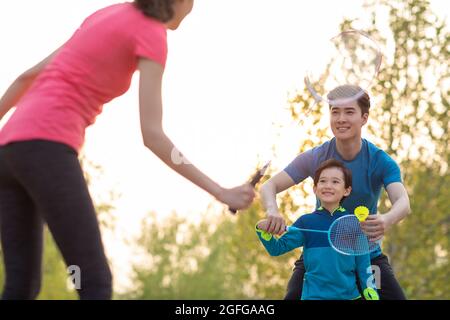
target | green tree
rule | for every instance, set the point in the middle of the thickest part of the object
(413, 120)
(410, 120)
(419, 246)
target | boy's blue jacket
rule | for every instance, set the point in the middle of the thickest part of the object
(329, 275)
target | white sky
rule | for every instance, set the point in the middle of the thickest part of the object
(229, 69)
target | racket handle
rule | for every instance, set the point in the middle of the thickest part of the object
(254, 180)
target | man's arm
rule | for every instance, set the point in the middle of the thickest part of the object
(376, 225)
(291, 240)
(278, 183)
(298, 170)
(400, 203)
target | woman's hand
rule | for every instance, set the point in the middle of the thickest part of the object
(238, 198)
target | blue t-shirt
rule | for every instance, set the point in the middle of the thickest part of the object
(371, 169)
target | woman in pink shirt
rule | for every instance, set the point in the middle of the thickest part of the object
(40, 176)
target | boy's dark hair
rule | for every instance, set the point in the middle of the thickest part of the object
(348, 91)
(161, 10)
(333, 163)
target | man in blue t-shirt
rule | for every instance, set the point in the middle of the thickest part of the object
(371, 168)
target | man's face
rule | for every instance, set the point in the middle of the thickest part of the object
(346, 121)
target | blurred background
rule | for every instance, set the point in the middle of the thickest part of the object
(234, 98)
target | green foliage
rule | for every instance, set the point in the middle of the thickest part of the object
(220, 258)
(419, 246)
(411, 112)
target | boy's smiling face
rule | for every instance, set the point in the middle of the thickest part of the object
(330, 188)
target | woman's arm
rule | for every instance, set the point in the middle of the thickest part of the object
(269, 190)
(150, 102)
(18, 88)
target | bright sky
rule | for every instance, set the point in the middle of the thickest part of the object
(230, 67)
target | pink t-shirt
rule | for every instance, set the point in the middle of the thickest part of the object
(93, 67)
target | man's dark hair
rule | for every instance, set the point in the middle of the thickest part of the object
(348, 91)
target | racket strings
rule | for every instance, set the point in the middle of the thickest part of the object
(345, 94)
(351, 58)
(348, 238)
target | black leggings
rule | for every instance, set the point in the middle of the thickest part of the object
(389, 287)
(42, 182)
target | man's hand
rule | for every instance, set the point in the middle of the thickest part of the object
(275, 224)
(375, 226)
(262, 225)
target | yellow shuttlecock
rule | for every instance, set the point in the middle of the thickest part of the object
(361, 213)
